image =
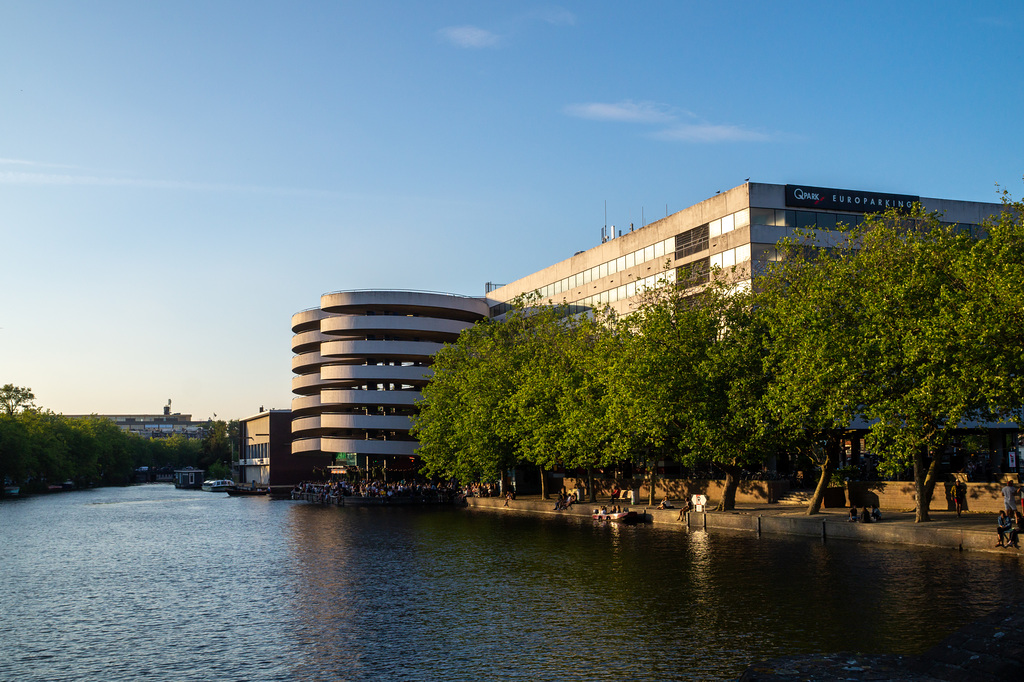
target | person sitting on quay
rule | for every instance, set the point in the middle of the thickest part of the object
(1005, 530)
(665, 504)
(853, 515)
(876, 513)
(865, 516)
(616, 492)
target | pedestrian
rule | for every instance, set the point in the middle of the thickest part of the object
(959, 496)
(1010, 499)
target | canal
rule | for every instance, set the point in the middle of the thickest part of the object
(157, 583)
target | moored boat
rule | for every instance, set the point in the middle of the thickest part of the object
(617, 516)
(12, 490)
(218, 485)
(246, 492)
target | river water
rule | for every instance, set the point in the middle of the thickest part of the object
(163, 584)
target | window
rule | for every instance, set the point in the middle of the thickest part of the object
(630, 259)
(659, 249)
(827, 221)
(698, 272)
(715, 228)
(743, 253)
(762, 216)
(742, 218)
(806, 219)
(692, 241)
(727, 224)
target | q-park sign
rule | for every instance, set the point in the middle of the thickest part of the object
(829, 199)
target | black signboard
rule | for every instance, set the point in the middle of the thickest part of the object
(828, 199)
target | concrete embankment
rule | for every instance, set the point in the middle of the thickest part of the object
(970, 532)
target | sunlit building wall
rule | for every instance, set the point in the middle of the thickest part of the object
(360, 360)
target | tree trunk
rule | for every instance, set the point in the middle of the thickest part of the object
(543, 484)
(591, 491)
(732, 482)
(925, 471)
(653, 483)
(827, 469)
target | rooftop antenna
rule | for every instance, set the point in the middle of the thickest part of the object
(604, 230)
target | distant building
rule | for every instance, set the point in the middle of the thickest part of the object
(162, 425)
(265, 452)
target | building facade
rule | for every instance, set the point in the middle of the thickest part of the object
(740, 227)
(360, 360)
(162, 425)
(265, 452)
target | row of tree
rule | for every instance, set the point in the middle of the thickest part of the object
(40, 448)
(904, 321)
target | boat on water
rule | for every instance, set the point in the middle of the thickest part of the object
(218, 485)
(246, 492)
(12, 490)
(625, 516)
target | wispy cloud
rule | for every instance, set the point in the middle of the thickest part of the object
(472, 37)
(708, 132)
(69, 179)
(34, 164)
(476, 38)
(674, 129)
(627, 111)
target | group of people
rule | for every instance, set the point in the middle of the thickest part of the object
(331, 491)
(865, 516)
(1010, 522)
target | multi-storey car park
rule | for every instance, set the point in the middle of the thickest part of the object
(360, 361)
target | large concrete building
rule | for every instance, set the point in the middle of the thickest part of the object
(739, 227)
(360, 361)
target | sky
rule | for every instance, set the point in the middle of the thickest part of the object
(178, 178)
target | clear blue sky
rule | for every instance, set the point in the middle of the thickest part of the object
(178, 178)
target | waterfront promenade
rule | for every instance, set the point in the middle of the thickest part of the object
(971, 532)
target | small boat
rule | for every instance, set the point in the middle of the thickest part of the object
(619, 517)
(219, 485)
(246, 492)
(12, 490)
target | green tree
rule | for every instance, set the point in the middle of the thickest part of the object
(216, 446)
(463, 409)
(916, 378)
(14, 399)
(693, 380)
(809, 303)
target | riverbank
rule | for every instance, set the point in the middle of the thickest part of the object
(973, 532)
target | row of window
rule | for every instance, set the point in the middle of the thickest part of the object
(696, 240)
(731, 257)
(257, 450)
(638, 257)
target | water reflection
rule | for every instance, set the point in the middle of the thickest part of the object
(123, 583)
